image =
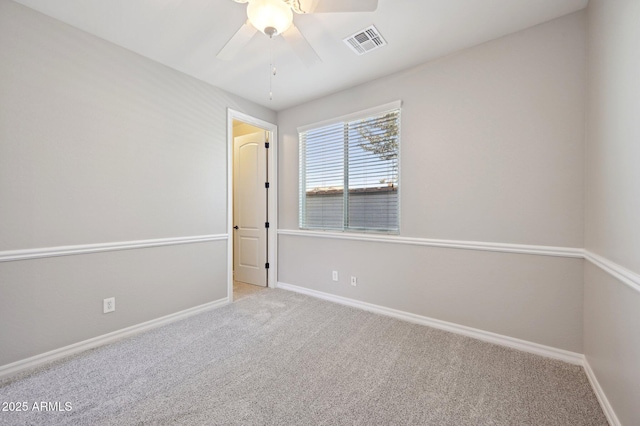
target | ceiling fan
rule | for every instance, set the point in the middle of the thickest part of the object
(275, 17)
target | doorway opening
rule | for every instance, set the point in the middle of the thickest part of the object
(252, 203)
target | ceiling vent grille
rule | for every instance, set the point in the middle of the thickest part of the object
(364, 41)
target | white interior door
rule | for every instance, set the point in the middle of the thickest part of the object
(250, 209)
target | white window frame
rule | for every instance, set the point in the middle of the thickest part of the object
(359, 115)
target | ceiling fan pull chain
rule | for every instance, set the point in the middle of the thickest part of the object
(271, 69)
(273, 62)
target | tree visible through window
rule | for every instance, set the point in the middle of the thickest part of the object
(349, 175)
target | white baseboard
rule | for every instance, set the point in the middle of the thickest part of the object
(522, 345)
(602, 397)
(37, 360)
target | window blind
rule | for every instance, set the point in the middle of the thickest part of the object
(349, 176)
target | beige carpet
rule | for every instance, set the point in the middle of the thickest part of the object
(281, 358)
(241, 290)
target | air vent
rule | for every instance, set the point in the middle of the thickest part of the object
(364, 41)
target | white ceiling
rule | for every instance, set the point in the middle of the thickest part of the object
(187, 35)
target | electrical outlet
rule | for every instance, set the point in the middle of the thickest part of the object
(335, 275)
(109, 305)
(354, 281)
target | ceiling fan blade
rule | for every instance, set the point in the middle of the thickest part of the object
(330, 6)
(237, 42)
(301, 46)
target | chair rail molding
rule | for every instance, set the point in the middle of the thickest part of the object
(623, 274)
(455, 244)
(628, 277)
(38, 253)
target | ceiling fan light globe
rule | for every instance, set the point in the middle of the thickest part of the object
(264, 14)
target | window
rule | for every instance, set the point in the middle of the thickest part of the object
(349, 172)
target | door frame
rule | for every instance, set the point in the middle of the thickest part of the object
(272, 200)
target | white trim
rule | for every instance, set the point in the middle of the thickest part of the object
(511, 342)
(354, 116)
(602, 397)
(466, 245)
(272, 238)
(12, 255)
(37, 360)
(274, 190)
(626, 276)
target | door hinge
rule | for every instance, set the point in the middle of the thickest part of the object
(266, 185)
(266, 224)
(266, 265)
(266, 144)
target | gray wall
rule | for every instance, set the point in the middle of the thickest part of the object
(492, 150)
(612, 309)
(525, 296)
(98, 144)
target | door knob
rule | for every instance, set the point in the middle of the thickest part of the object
(235, 227)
